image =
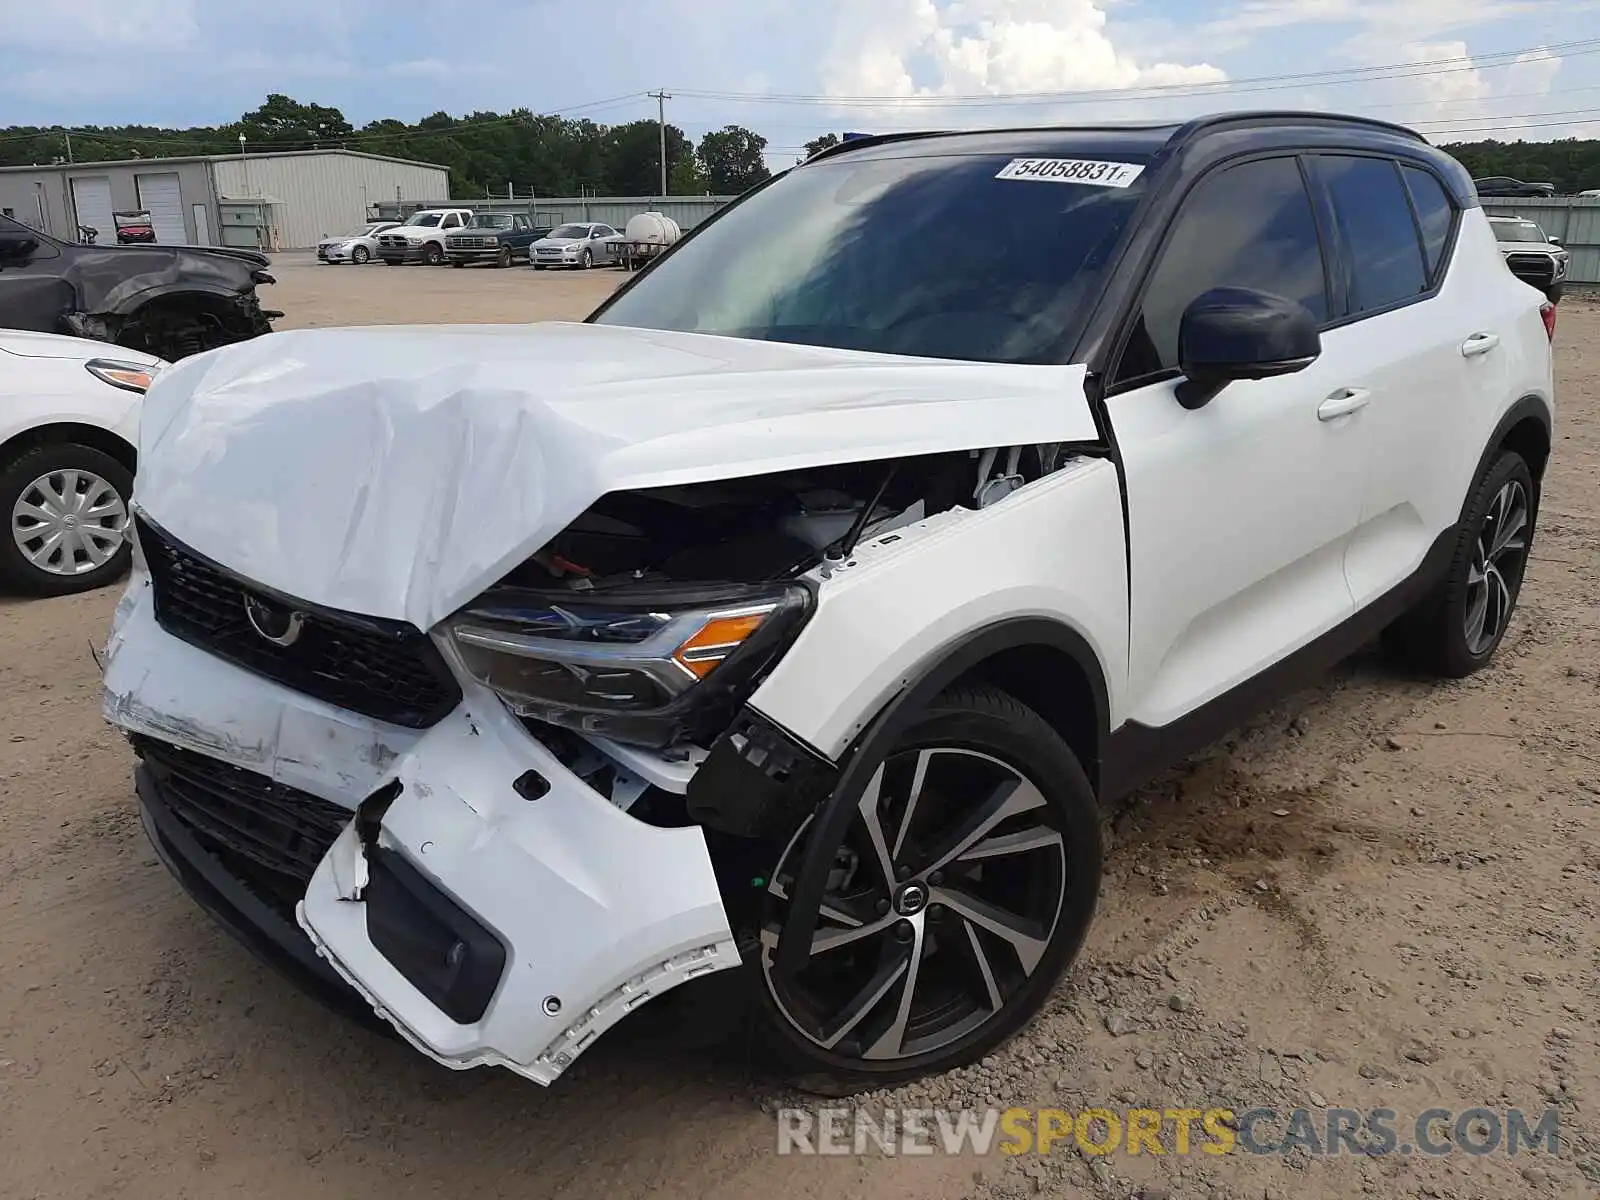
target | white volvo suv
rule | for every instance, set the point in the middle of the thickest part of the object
(787, 622)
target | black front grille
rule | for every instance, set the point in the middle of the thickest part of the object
(269, 836)
(1541, 267)
(387, 670)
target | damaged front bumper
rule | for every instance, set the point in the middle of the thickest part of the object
(480, 897)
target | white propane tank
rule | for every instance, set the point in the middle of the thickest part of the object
(652, 229)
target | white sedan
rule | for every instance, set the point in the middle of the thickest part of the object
(69, 418)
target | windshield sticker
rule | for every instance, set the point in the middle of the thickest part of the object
(1072, 170)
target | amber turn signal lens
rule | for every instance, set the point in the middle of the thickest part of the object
(715, 640)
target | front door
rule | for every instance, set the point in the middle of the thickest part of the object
(1239, 512)
(33, 294)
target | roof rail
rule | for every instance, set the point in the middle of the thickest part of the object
(1202, 124)
(1182, 130)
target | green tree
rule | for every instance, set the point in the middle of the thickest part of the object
(281, 119)
(818, 144)
(733, 160)
(632, 157)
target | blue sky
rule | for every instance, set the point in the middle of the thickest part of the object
(1455, 68)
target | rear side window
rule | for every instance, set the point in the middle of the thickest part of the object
(1380, 235)
(1435, 214)
(1246, 226)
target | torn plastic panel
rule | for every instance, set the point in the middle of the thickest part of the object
(597, 912)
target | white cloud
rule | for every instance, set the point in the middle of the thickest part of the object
(98, 24)
(911, 48)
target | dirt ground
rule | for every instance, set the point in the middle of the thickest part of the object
(1381, 894)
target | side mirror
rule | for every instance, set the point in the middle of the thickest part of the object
(1230, 333)
(1555, 241)
(16, 245)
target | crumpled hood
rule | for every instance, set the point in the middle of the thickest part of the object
(398, 471)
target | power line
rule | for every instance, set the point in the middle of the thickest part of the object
(1259, 83)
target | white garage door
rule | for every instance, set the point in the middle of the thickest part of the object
(161, 196)
(91, 201)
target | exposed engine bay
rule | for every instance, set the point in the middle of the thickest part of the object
(769, 527)
(642, 556)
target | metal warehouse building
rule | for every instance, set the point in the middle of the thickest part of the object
(280, 201)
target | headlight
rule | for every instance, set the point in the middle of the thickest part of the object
(130, 377)
(415, 239)
(491, 240)
(631, 667)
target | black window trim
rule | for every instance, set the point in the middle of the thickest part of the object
(1114, 386)
(1346, 263)
(1447, 251)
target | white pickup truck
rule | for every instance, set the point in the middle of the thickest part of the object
(421, 238)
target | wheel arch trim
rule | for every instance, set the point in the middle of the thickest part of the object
(936, 672)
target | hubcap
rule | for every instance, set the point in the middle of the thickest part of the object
(69, 522)
(941, 903)
(1495, 574)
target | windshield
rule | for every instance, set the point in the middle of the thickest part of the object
(429, 219)
(570, 231)
(937, 257)
(490, 221)
(1518, 231)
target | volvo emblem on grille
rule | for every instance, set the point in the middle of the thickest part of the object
(280, 626)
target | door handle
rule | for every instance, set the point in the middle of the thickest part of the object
(1342, 403)
(1479, 343)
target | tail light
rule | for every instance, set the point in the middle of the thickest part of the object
(1547, 312)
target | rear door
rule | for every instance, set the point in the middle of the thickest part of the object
(1411, 341)
(1239, 513)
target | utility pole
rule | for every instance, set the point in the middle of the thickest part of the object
(661, 99)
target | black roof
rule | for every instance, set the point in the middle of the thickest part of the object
(1197, 143)
(1129, 137)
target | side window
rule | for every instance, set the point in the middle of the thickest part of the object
(1435, 214)
(1380, 235)
(451, 221)
(1246, 226)
(519, 222)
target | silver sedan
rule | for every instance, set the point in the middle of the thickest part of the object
(579, 246)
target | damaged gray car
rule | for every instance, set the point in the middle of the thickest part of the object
(169, 301)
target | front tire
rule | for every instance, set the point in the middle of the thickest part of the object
(503, 259)
(585, 259)
(958, 897)
(66, 514)
(433, 255)
(1457, 629)
(359, 256)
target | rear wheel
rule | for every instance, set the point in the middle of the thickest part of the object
(1456, 630)
(960, 893)
(457, 263)
(66, 510)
